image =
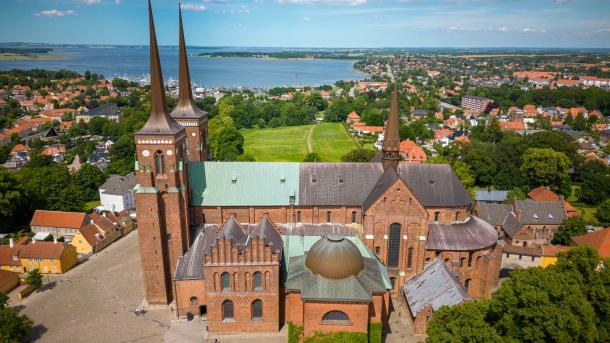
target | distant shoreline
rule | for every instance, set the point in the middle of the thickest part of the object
(28, 57)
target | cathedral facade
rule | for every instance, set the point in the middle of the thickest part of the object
(252, 245)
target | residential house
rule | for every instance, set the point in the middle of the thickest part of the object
(100, 157)
(364, 86)
(411, 152)
(48, 257)
(110, 111)
(58, 223)
(56, 152)
(543, 193)
(595, 81)
(117, 193)
(353, 118)
(598, 240)
(515, 256)
(525, 222)
(491, 196)
(9, 256)
(549, 254)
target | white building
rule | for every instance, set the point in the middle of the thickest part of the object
(117, 194)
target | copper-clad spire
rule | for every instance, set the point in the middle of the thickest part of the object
(185, 108)
(391, 137)
(159, 121)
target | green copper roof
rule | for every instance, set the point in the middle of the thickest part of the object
(244, 183)
(296, 245)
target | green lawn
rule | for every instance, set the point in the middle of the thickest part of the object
(89, 206)
(289, 144)
(331, 141)
(286, 144)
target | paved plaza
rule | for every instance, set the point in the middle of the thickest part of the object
(95, 301)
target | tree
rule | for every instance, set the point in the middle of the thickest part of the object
(215, 125)
(34, 278)
(312, 157)
(603, 211)
(13, 327)
(542, 305)
(122, 156)
(359, 155)
(230, 144)
(89, 178)
(462, 323)
(595, 186)
(515, 193)
(11, 198)
(573, 226)
(50, 188)
(544, 167)
(464, 173)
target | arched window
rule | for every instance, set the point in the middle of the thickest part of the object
(409, 257)
(159, 163)
(328, 216)
(469, 260)
(462, 262)
(337, 317)
(227, 310)
(447, 262)
(394, 245)
(467, 284)
(298, 216)
(257, 280)
(226, 281)
(478, 261)
(524, 243)
(257, 310)
(353, 216)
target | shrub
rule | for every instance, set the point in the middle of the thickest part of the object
(375, 331)
(294, 332)
(337, 337)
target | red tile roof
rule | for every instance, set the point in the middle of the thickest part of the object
(6, 255)
(553, 250)
(542, 194)
(42, 249)
(73, 220)
(600, 240)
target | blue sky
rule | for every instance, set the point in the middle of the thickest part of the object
(315, 23)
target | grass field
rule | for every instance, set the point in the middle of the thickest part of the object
(331, 141)
(289, 144)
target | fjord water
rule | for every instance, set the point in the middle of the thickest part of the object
(209, 72)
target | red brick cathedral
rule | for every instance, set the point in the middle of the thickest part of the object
(250, 246)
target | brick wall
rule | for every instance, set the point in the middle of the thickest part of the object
(314, 311)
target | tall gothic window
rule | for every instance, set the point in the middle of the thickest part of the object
(469, 260)
(353, 216)
(328, 216)
(257, 310)
(409, 257)
(227, 310)
(159, 163)
(226, 281)
(394, 245)
(257, 280)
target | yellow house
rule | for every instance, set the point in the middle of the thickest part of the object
(86, 240)
(9, 258)
(549, 254)
(48, 257)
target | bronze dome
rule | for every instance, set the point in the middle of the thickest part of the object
(334, 257)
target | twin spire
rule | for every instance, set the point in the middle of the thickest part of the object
(160, 121)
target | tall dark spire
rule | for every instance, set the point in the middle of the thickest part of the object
(391, 137)
(185, 108)
(159, 121)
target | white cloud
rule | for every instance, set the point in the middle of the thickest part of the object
(193, 7)
(601, 31)
(530, 30)
(54, 13)
(332, 2)
(305, 19)
(90, 2)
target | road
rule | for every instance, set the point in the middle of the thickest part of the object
(95, 301)
(390, 74)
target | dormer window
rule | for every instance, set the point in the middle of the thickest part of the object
(314, 179)
(551, 216)
(535, 216)
(283, 179)
(234, 178)
(341, 180)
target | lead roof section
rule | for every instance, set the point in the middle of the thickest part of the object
(435, 286)
(472, 235)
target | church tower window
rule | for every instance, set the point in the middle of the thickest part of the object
(394, 245)
(159, 163)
